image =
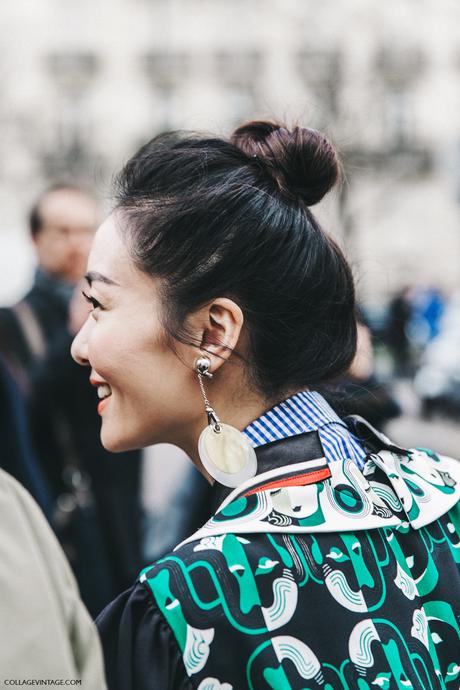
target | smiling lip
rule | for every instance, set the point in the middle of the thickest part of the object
(96, 382)
(102, 404)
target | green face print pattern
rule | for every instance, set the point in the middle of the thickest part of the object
(352, 582)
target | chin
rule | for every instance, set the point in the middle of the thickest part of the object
(116, 443)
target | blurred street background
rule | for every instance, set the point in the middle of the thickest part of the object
(84, 84)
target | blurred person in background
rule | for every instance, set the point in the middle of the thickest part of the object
(437, 380)
(17, 455)
(61, 224)
(94, 495)
(396, 331)
(428, 303)
(360, 391)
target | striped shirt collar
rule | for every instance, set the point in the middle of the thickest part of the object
(302, 412)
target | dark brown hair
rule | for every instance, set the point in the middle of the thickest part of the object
(214, 217)
(283, 154)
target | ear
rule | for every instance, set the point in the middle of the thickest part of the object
(221, 329)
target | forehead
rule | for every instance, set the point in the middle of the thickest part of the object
(110, 256)
(67, 207)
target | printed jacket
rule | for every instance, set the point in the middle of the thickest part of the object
(309, 576)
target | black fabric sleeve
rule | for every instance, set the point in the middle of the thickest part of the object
(140, 650)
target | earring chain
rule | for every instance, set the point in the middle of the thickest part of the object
(205, 397)
(213, 419)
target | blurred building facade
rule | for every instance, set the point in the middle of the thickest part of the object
(83, 84)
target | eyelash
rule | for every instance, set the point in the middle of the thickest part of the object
(91, 300)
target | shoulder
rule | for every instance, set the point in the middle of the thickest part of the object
(441, 471)
(30, 545)
(140, 647)
(14, 497)
(48, 603)
(192, 587)
(29, 539)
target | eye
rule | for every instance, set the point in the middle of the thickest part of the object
(91, 300)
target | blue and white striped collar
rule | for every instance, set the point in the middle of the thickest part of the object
(302, 412)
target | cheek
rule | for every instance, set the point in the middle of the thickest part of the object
(106, 351)
(131, 360)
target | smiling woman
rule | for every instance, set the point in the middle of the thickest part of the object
(218, 303)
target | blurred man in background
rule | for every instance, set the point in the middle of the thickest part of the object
(61, 223)
(94, 494)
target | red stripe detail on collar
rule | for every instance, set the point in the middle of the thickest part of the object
(298, 480)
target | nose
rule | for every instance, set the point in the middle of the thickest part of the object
(79, 348)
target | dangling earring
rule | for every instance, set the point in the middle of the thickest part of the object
(224, 451)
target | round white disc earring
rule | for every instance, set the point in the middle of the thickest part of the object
(224, 451)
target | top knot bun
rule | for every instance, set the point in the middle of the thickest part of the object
(301, 161)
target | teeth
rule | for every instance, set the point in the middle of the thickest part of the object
(103, 391)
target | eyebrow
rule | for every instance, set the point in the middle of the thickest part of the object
(94, 276)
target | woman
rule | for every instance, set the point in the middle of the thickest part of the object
(331, 559)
